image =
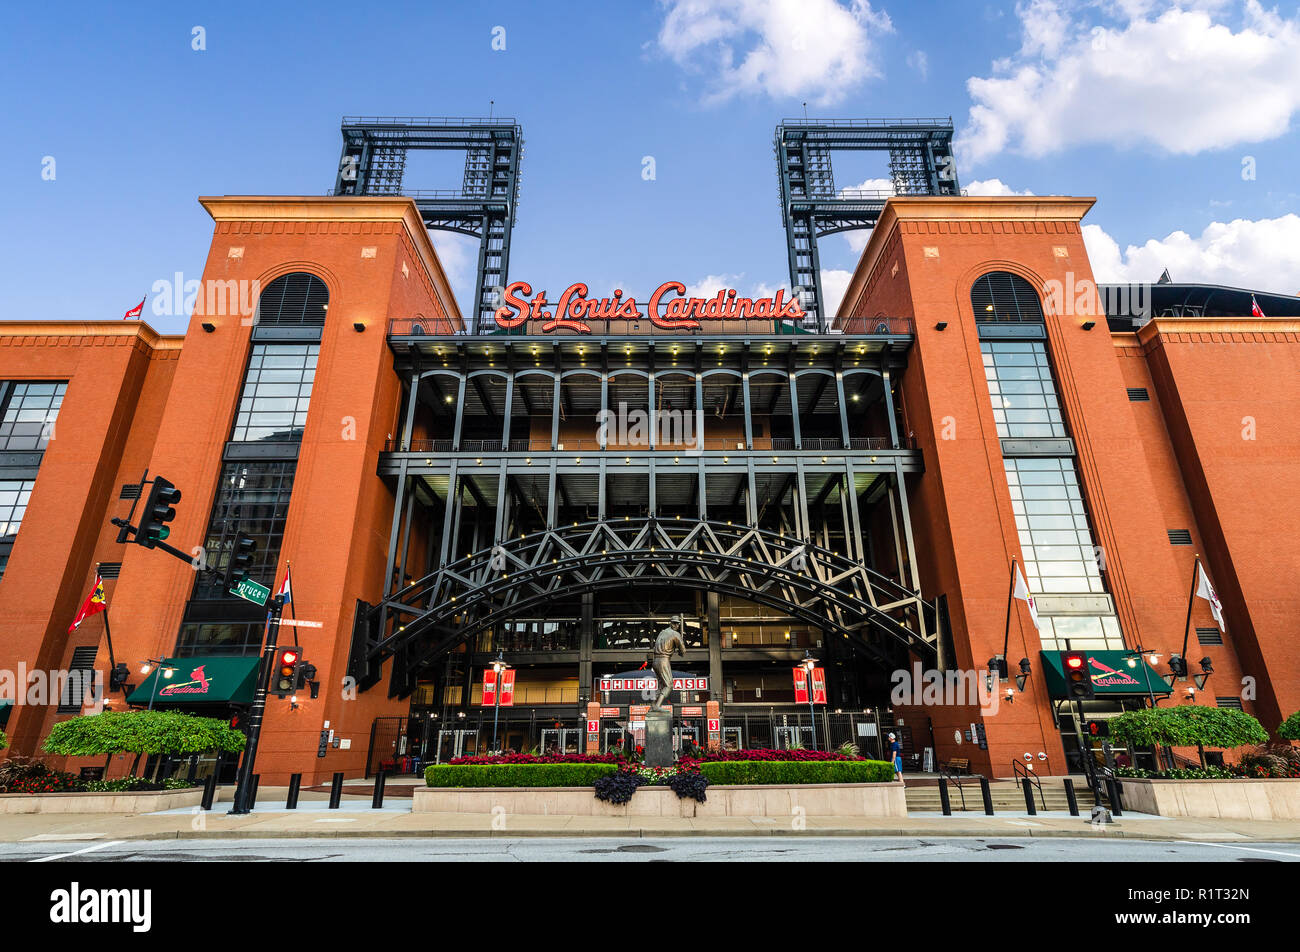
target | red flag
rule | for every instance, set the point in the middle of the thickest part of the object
(1255, 310)
(135, 311)
(95, 603)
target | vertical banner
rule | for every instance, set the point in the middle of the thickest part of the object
(819, 685)
(489, 687)
(800, 686)
(508, 687)
(593, 727)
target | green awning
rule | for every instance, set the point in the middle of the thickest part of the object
(199, 681)
(1112, 675)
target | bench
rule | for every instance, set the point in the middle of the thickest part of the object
(958, 765)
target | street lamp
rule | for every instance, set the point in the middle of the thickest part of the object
(808, 663)
(1207, 669)
(1023, 676)
(1132, 657)
(499, 665)
(163, 669)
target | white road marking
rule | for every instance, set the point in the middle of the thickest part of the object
(60, 836)
(88, 849)
(1252, 849)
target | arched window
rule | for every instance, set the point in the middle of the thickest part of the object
(296, 299)
(1002, 297)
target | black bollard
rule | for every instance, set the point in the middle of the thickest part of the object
(1112, 788)
(252, 791)
(336, 790)
(295, 781)
(194, 769)
(1070, 798)
(377, 800)
(987, 795)
(943, 797)
(1029, 797)
(209, 791)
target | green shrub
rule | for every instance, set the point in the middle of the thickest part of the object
(141, 732)
(4, 741)
(516, 775)
(738, 772)
(1189, 726)
(1289, 729)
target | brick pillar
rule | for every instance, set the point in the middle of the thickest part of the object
(593, 737)
(713, 718)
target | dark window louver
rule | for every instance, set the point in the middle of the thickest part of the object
(294, 300)
(1230, 702)
(1138, 395)
(129, 491)
(1180, 537)
(1209, 636)
(81, 672)
(1001, 297)
(110, 569)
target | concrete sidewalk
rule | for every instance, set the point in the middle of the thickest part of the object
(355, 818)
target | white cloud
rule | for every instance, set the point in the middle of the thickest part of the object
(709, 285)
(1163, 75)
(1262, 255)
(919, 62)
(991, 186)
(459, 257)
(817, 50)
(834, 283)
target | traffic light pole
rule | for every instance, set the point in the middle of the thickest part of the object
(244, 778)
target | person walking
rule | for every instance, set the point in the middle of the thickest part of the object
(896, 755)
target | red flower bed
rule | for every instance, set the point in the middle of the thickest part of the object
(690, 760)
(775, 755)
(487, 759)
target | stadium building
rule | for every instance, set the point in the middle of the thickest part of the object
(545, 482)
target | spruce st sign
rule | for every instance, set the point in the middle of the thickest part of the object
(668, 308)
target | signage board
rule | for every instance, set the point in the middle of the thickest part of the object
(610, 712)
(508, 687)
(819, 685)
(668, 308)
(593, 727)
(692, 712)
(715, 725)
(251, 591)
(651, 683)
(800, 685)
(489, 687)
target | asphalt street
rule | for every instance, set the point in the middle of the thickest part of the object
(639, 850)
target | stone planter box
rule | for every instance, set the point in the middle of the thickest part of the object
(816, 799)
(145, 802)
(1214, 799)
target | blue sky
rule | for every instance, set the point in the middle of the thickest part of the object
(1177, 117)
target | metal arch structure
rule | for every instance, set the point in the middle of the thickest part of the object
(920, 163)
(420, 623)
(484, 207)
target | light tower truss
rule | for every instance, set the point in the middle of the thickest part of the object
(920, 163)
(484, 207)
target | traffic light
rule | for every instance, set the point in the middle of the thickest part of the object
(306, 674)
(1078, 680)
(284, 673)
(241, 560)
(157, 513)
(1098, 728)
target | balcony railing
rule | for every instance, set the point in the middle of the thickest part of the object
(723, 444)
(859, 326)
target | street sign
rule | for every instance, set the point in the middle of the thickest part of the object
(295, 623)
(251, 591)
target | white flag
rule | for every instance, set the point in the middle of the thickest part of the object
(1206, 591)
(1021, 591)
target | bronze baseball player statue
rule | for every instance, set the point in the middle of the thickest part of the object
(667, 643)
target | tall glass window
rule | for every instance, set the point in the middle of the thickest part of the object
(252, 501)
(1021, 387)
(277, 389)
(1054, 534)
(27, 414)
(14, 494)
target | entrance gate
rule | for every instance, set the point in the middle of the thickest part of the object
(456, 743)
(567, 739)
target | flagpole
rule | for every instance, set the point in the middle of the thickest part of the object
(1191, 596)
(1011, 588)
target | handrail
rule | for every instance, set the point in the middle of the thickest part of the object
(948, 775)
(1020, 770)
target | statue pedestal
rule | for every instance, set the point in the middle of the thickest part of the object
(658, 739)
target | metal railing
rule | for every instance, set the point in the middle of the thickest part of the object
(644, 327)
(1022, 773)
(954, 779)
(725, 444)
